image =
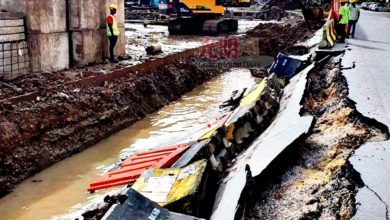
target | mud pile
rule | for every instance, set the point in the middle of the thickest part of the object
(37, 82)
(283, 4)
(66, 121)
(314, 179)
(279, 37)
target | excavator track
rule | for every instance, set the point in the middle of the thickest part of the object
(220, 26)
(207, 27)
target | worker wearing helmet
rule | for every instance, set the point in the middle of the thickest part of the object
(354, 14)
(112, 30)
(343, 20)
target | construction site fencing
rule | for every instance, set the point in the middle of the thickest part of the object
(14, 52)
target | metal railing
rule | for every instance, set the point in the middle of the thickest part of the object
(14, 52)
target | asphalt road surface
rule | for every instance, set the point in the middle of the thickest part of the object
(369, 87)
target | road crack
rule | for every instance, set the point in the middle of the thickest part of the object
(380, 199)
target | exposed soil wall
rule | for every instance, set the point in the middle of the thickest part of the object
(314, 179)
(279, 37)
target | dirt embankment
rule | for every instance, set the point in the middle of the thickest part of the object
(38, 82)
(285, 5)
(279, 37)
(63, 122)
(314, 179)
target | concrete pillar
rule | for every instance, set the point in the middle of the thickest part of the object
(87, 47)
(47, 35)
(87, 27)
(13, 5)
(49, 52)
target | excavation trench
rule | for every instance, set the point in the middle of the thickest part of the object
(40, 196)
(67, 119)
(57, 122)
(314, 179)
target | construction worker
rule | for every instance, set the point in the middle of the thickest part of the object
(112, 30)
(354, 14)
(343, 20)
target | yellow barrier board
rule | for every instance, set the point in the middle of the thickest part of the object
(254, 95)
(165, 186)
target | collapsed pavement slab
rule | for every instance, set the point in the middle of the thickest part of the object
(287, 127)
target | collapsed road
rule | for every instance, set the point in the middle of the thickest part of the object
(314, 179)
(77, 127)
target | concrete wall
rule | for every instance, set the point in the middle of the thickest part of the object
(47, 35)
(46, 16)
(87, 47)
(50, 52)
(13, 5)
(53, 45)
(87, 27)
(84, 14)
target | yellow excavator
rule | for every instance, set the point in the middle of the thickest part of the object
(199, 16)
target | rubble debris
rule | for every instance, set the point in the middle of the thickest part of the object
(40, 81)
(133, 205)
(259, 72)
(285, 5)
(310, 9)
(234, 100)
(287, 127)
(279, 37)
(314, 179)
(153, 49)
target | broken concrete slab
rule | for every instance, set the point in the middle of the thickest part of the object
(287, 127)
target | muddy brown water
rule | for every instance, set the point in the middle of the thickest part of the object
(62, 187)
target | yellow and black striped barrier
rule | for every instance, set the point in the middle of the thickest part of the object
(329, 35)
